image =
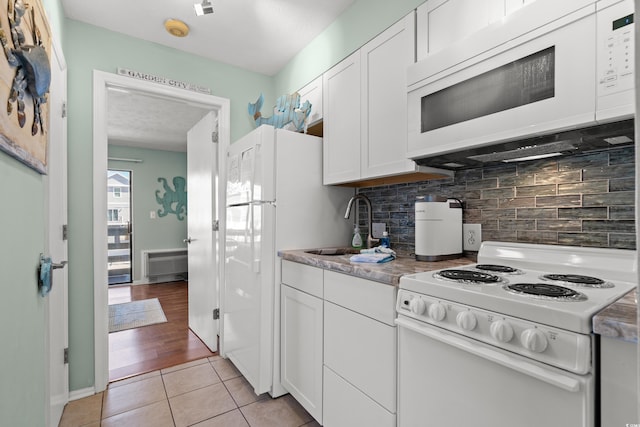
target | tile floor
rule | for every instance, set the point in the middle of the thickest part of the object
(208, 392)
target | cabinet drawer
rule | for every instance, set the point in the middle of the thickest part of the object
(302, 277)
(362, 351)
(373, 299)
(346, 406)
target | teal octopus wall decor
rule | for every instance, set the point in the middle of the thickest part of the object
(173, 201)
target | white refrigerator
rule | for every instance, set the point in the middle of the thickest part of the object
(275, 201)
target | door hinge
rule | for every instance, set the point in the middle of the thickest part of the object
(214, 137)
(66, 355)
(216, 313)
(216, 225)
(65, 232)
(64, 109)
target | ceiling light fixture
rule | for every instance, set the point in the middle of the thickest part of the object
(203, 8)
(177, 28)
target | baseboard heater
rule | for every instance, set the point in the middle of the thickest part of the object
(165, 265)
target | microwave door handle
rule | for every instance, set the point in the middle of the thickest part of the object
(553, 378)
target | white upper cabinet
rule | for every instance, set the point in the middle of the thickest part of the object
(442, 23)
(383, 63)
(313, 93)
(341, 134)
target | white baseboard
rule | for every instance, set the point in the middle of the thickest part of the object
(82, 393)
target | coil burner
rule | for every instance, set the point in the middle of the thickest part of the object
(577, 280)
(468, 276)
(545, 291)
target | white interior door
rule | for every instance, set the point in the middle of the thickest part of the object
(56, 193)
(202, 214)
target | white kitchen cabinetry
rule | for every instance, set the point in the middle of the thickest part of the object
(365, 113)
(341, 133)
(359, 352)
(302, 334)
(441, 23)
(618, 382)
(312, 92)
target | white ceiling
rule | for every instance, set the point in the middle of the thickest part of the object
(257, 35)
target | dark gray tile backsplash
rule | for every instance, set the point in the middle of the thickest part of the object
(582, 200)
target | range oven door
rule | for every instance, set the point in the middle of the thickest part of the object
(448, 380)
(493, 88)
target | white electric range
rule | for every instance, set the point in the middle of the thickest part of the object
(507, 335)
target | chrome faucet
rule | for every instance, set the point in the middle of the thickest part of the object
(370, 239)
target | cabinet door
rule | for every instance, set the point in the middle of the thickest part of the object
(301, 348)
(341, 105)
(313, 93)
(384, 62)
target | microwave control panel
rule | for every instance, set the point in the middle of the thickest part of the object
(615, 50)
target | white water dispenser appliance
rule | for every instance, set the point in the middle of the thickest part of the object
(438, 228)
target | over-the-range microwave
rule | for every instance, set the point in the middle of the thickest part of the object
(549, 67)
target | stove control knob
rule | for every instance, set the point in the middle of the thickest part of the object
(501, 330)
(437, 311)
(466, 320)
(417, 306)
(534, 340)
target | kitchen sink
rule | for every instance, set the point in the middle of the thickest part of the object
(333, 251)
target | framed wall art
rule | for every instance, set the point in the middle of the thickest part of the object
(25, 76)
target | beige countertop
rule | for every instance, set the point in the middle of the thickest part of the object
(388, 272)
(620, 319)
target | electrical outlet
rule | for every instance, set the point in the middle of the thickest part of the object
(471, 237)
(377, 228)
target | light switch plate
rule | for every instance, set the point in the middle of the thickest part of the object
(377, 228)
(471, 237)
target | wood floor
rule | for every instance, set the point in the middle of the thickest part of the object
(149, 348)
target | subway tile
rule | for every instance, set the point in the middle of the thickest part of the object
(624, 184)
(609, 199)
(482, 184)
(537, 166)
(598, 240)
(536, 190)
(577, 213)
(498, 213)
(499, 235)
(516, 224)
(559, 225)
(622, 155)
(622, 212)
(581, 161)
(520, 202)
(524, 213)
(622, 241)
(589, 187)
(516, 181)
(611, 226)
(498, 193)
(482, 204)
(466, 175)
(606, 172)
(489, 224)
(558, 177)
(540, 237)
(495, 171)
(470, 216)
(559, 201)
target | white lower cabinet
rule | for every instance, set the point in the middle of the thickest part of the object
(301, 334)
(338, 346)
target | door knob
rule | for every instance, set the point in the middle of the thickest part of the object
(189, 240)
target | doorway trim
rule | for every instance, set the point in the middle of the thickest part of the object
(102, 81)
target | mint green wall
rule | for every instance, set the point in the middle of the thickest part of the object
(87, 48)
(159, 233)
(22, 315)
(361, 22)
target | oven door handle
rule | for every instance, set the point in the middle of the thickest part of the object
(553, 378)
